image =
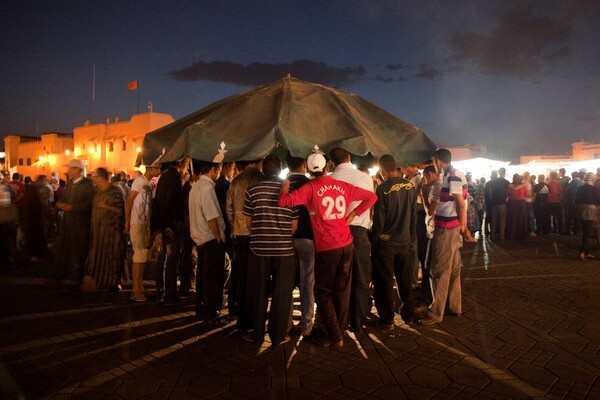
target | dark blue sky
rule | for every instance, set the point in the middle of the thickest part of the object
(519, 77)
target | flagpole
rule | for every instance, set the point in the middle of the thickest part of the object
(93, 92)
(138, 96)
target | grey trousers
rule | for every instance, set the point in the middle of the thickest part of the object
(445, 272)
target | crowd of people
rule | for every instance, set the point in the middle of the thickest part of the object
(329, 229)
(530, 206)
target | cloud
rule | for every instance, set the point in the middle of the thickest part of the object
(426, 72)
(397, 67)
(521, 44)
(262, 73)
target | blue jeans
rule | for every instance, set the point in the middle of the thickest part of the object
(305, 250)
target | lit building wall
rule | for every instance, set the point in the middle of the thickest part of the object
(32, 157)
(585, 151)
(113, 145)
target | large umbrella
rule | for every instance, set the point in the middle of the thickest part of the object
(289, 114)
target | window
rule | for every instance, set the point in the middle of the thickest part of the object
(83, 146)
(29, 161)
(20, 161)
(124, 146)
(111, 147)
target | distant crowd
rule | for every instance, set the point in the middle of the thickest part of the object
(235, 235)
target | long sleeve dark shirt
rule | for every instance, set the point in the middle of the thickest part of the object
(167, 208)
(304, 230)
(395, 213)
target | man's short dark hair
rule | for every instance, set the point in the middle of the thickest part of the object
(271, 166)
(294, 163)
(206, 166)
(387, 163)
(339, 156)
(430, 169)
(16, 176)
(102, 173)
(443, 155)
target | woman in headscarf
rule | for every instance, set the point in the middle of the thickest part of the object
(587, 201)
(107, 253)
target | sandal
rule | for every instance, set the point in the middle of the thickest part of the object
(139, 299)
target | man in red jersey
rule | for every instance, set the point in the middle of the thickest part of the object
(326, 200)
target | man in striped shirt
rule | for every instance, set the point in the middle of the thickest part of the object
(271, 257)
(450, 221)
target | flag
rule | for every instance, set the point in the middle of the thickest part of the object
(133, 85)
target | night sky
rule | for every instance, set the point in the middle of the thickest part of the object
(520, 77)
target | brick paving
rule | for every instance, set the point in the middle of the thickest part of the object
(529, 329)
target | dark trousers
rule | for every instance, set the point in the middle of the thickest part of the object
(333, 280)
(498, 222)
(588, 238)
(556, 217)
(422, 246)
(542, 219)
(238, 298)
(168, 262)
(573, 224)
(187, 269)
(361, 277)
(390, 262)
(275, 275)
(6, 261)
(210, 276)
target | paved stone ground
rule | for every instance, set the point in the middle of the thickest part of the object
(529, 329)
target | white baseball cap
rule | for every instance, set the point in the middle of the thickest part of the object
(316, 162)
(76, 164)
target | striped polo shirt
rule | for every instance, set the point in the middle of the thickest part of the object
(271, 233)
(453, 182)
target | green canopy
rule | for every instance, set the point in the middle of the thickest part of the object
(289, 114)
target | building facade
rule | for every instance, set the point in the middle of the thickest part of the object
(114, 145)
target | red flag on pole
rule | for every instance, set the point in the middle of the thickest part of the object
(133, 85)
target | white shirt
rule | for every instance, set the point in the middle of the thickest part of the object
(347, 173)
(204, 207)
(140, 210)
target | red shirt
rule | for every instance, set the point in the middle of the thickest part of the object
(327, 200)
(18, 191)
(517, 194)
(555, 190)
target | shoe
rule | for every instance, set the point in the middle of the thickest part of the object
(139, 299)
(286, 339)
(454, 314)
(248, 337)
(319, 341)
(219, 321)
(532, 234)
(385, 327)
(421, 308)
(173, 303)
(428, 321)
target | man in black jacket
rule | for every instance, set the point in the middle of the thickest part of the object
(167, 221)
(393, 236)
(496, 194)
